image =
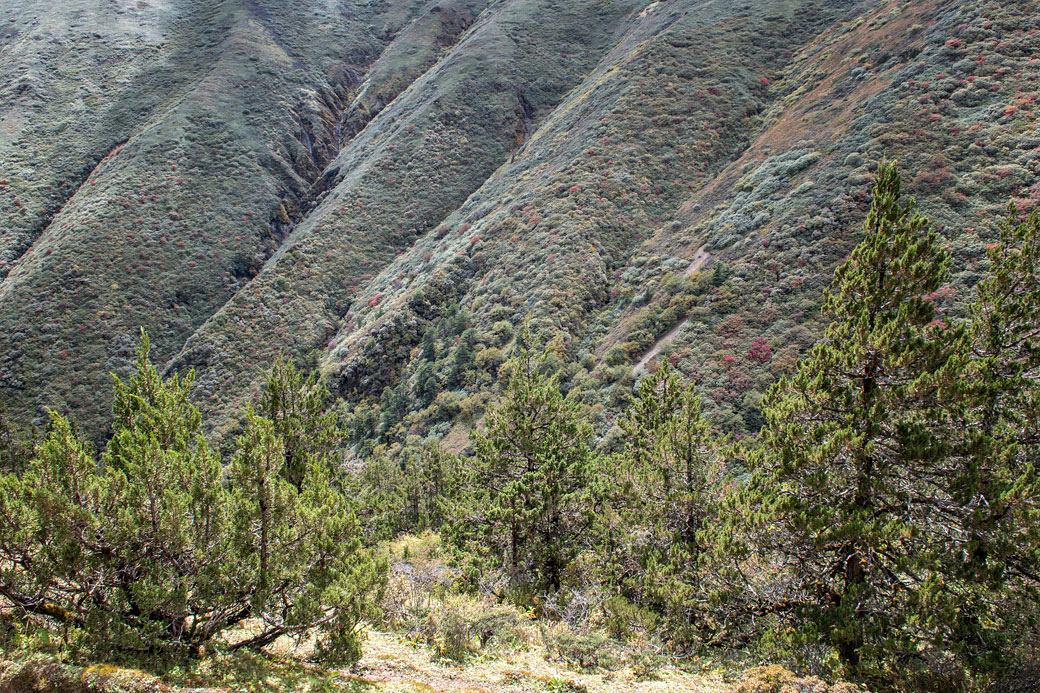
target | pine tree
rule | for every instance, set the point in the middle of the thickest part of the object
(997, 486)
(299, 549)
(527, 507)
(434, 480)
(409, 492)
(852, 470)
(665, 489)
(300, 408)
(427, 383)
(127, 548)
(153, 548)
(462, 360)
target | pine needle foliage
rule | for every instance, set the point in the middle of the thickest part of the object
(852, 473)
(411, 494)
(998, 422)
(526, 509)
(152, 547)
(665, 490)
(299, 406)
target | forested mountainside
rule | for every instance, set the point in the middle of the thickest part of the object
(386, 190)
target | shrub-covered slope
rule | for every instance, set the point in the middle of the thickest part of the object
(152, 173)
(551, 233)
(398, 178)
(722, 273)
(386, 190)
(946, 88)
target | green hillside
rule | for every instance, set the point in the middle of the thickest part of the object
(404, 197)
(244, 180)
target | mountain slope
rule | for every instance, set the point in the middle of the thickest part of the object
(408, 169)
(387, 190)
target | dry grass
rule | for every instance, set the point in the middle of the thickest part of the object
(392, 664)
(434, 639)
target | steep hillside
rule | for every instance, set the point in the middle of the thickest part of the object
(410, 167)
(388, 190)
(148, 194)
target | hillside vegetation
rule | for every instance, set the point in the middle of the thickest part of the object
(676, 335)
(380, 189)
(883, 526)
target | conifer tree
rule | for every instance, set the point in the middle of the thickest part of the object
(997, 486)
(127, 548)
(409, 492)
(299, 406)
(665, 489)
(153, 548)
(299, 549)
(852, 471)
(527, 510)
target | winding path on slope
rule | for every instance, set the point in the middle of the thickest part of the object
(699, 259)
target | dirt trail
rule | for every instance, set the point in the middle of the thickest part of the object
(699, 259)
(391, 664)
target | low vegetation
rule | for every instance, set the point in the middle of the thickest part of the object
(155, 547)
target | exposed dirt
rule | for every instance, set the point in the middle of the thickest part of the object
(699, 259)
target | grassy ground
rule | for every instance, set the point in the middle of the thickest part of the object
(430, 637)
(391, 663)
